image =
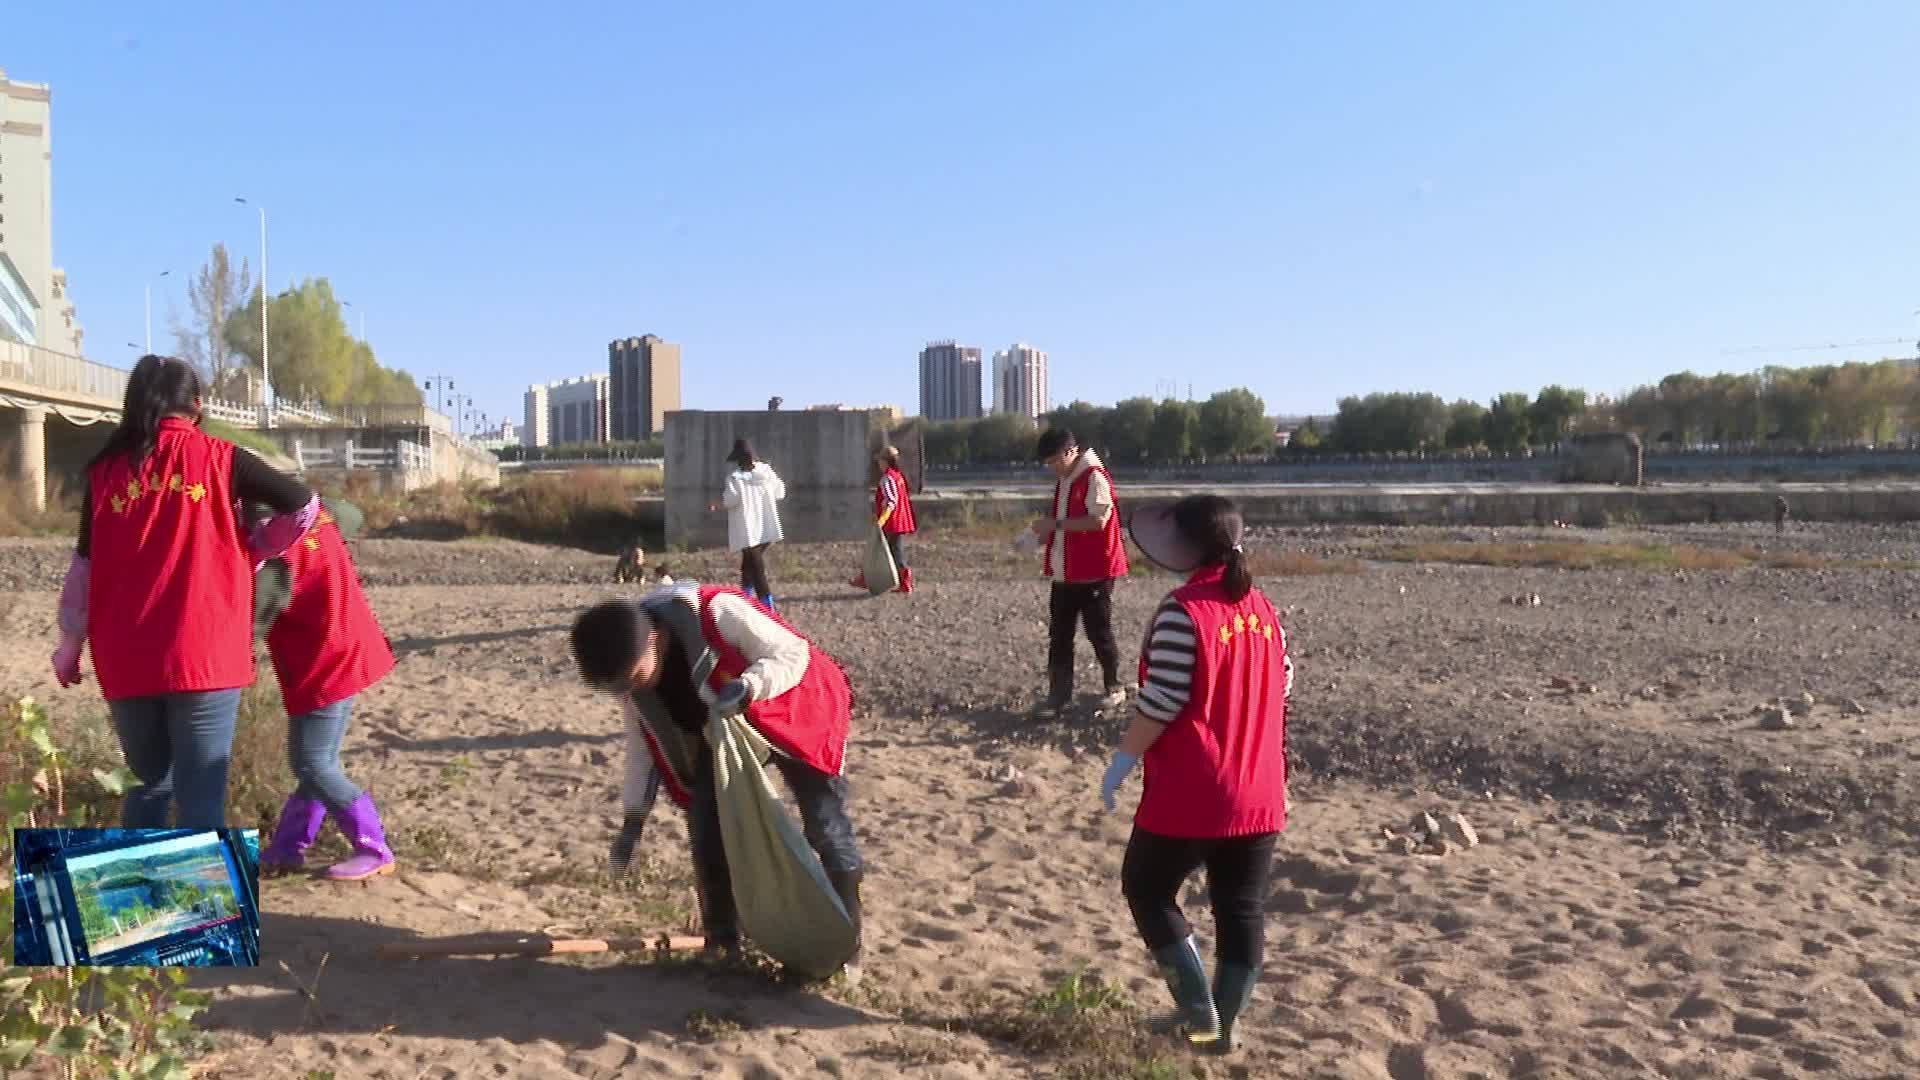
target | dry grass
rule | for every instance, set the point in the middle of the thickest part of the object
(1577, 555)
(17, 514)
(592, 509)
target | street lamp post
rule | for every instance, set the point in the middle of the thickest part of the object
(266, 345)
(150, 282)
(363, 318)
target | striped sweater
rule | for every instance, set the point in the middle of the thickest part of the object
(1171, 648)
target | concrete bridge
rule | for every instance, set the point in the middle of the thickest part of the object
(56, 411)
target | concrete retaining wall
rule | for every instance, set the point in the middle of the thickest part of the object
(1508, 505)
(824, 457)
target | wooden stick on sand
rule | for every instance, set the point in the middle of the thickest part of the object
(531, 945)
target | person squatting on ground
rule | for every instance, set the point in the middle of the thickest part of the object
(649, 651)
(1210, 723)
(752, 502)
(161, 582)
(893, 515)
(327, 648)
(1082, 555)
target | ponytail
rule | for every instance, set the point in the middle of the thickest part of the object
(157, 388)
(1238, 581)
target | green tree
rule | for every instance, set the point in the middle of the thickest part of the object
(947, 443)
(1509, 422)
(314, 357)
(1129, 430)
(1466, 425)
(1306, 437)
(1001, 438)
(1086, 420)
(1234, 422)
(1552, 413)
(1171, 439)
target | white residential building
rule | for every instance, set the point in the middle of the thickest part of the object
(26, 210)
(1020, 381)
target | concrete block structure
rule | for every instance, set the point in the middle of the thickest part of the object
(825, 457)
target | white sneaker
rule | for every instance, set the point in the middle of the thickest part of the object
(1114, 698)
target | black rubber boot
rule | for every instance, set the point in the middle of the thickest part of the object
(846, 885)
(1232, 988)
(718, 919)
(1194, 1016)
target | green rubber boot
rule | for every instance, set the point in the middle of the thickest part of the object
(1232, 988)
(1194, 1016)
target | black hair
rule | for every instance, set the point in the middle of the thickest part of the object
(1052, 441)
(1212, 524)
(607, 640)
(742, 455)
(158, 387)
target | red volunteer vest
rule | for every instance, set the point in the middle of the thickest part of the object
(901, 521)
(1090, 556)
(808, 722)
(171, 594)
(1220, 768)
(327, 645)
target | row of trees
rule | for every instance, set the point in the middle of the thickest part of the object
(1229, 424)
(1809, 406)
(1401, 422)
(315, 358)
(1849, 404)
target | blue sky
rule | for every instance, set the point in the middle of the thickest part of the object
(1309, 200)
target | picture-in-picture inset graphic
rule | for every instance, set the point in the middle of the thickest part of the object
(136, 897)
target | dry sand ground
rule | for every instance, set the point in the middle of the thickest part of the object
(1662, 888)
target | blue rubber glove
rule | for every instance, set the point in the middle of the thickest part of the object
(732, 699)
(1123, 764)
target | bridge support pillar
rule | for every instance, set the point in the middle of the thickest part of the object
(23, 448)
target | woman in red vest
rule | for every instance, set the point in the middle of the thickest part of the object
(1210, 723)
(162, 583)
(327, 647)
(893, 515)
(681, 651)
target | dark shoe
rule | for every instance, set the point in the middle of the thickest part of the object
(846, 885)
(1232, 988)
(1194, 1015)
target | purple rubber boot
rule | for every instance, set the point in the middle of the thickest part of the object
(297, 829)
(361, 825)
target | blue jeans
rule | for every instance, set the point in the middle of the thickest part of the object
(313, 752)
(822, 800)
(178, 746)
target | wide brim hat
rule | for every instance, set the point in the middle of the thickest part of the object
(1158, 536)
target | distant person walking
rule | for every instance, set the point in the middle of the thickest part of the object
(161, 582)
(752, 502)
(1779, 513)
(1210, 725)
(1082, 555)
(893, 515)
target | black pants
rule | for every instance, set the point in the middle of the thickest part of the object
(897, 544)
(753, 571)
(1238, 870)
(822, 801)
(1068, 605)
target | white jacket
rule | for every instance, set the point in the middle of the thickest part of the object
(753, 510)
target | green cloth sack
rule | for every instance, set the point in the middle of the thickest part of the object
(787, 906)
(881, 575)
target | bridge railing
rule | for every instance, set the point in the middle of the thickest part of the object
(61, 373)
(406, 457)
